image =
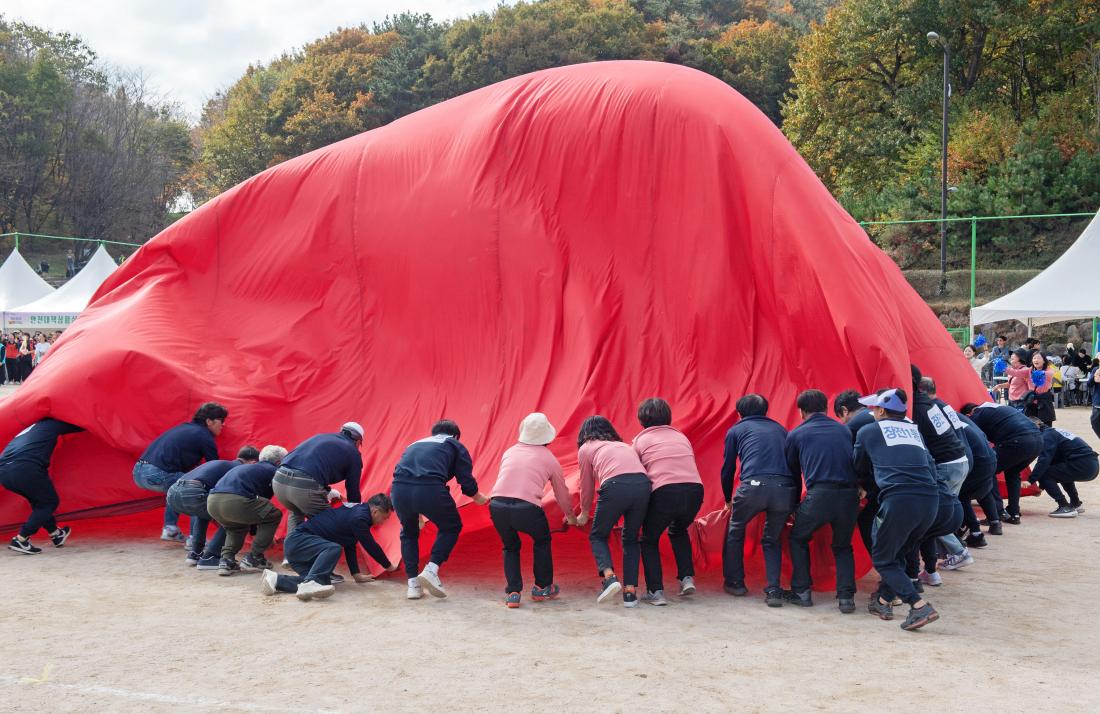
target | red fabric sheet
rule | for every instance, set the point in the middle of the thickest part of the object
(570, 241)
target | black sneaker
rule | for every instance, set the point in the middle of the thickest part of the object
(976, 540)
(335, 579)
(961, 532)
(60, 536)
(208, 561)
(918, 617)
(847, 605)
(1066, 511)
(802, 599)
(995, 528)
(251, 563)
(228, 567)
(774, 598)
(882, 609)
(630, 598)
(1013, 520)
(1079, 506)
(193, 558)
(736, 589)
(23, 546)
(611, 587)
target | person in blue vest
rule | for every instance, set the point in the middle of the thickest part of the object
(25, 471)
(893, 450)
(241, 500)
(1064, 461)
(177, 451)
(314, 549)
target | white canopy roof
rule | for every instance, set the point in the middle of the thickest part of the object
(19, 284)
(1068, 290)
(61, 307)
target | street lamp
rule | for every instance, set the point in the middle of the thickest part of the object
(935, 39)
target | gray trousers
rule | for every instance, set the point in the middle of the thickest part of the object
(237, 514)
(301, 494)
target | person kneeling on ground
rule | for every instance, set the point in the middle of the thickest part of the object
(25, 471)
(1064, 460)
(242, 499)
(420, 489)
(820, 449)
(515, 506)
(303, 480)
(188, 496)
(675, 500)
(892, 449)
(313, 549)
(176, 452)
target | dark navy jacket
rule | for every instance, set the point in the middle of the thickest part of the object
(329, 459)
(1060, 446)
(820, 449)
(211, 472)
(248, 480)
(937, 430)
(181, 448)
(895, 452)
(35, 444)
(861, 419)
(760, 444)
(347, 526)
(437, 459)
(1003, 423)
(985, 458)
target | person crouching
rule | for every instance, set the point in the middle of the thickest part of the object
(242, 499)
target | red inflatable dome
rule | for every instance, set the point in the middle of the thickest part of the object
(570, 241)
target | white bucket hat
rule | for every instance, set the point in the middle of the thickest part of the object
(535, 429)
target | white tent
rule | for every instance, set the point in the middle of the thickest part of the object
(1067, 290)
(19, 284)
(61, 307)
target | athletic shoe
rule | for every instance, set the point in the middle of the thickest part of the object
(736, 589)
(847, 605)
(336, 579)
(630, 597)
(882, 610)
(802, 599)
(932, 579)
(549, 592)
(171, 533)
(228, 567)
(415, 592)
(976, 540)
(512, 600)
(189, 544)
(23, 546)
(954, 562)
(961, 532)
(193, 558)
(431, 582)
(1079, 506)
(995, 528)
(1005, 515)
(1063, 512)
(687, 586)
(267, 582)
(655, 597)
(208, 561)
(1011, 520)
(611, 587)
(773, 598)
(60, 536)
(311, 589)
(918, 617)
(251, 563)
(917, 585)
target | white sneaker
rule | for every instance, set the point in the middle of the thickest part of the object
(932, 579)
(656, 597)
(267, 582)
(311, 589)
(954, 562)
(415, 592)
(687, 586)
(171, 533)
(431, 582)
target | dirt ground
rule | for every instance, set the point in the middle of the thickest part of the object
(120, 624)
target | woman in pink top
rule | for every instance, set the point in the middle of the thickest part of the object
(675, 500)
(516, 506)
(1043, 406)
(623, 493)
(1019, 378)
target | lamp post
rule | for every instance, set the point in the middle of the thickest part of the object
(935, 39)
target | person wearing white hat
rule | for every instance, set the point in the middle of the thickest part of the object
(515, 507)
(304, 481)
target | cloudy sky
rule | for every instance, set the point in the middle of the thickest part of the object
(189, 49)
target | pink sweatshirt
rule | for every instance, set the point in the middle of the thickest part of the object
(667, 456)
(524, 471)
(1019, 382)
(601, 460)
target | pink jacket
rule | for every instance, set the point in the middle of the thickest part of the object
(667, 456)
(524, 471)
(601, 460)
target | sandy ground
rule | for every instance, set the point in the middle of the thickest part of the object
(122, 625)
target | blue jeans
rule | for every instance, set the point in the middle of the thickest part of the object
(312, 557)
(153, 478)
(955, 476)
(189, 498)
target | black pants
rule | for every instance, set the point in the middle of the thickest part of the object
(624, 496)
(1095, 421)
(312, 557)
(980, 485)
(433, 501)
(1065, 475)
(900, 524)
(26, 365)
(838, 508)
(949, 517)
(1013, 456)
(671, 507)
(32, 483)
(774, 495)
(512, 516)
(866, 520)
(14, 372)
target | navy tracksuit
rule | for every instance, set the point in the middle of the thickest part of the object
(314, 548)
(1065, 460)
(24, 470)
(981, 482)
(866, 520)
(1015, 439)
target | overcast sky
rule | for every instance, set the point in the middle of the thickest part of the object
(189, 49)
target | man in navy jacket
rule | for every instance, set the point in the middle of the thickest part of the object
(1064, 460)
(304, 481)
(25, 471)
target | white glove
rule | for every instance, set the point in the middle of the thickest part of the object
(334, 495)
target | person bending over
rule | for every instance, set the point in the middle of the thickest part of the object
(304, 481)
(855, 416)
(242, 499)
(980, 485)
(1016, 441)
(1065, 460)
(25, 471)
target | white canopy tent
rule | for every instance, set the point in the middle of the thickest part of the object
(61, 307)
(19, 284)
(1067, 290)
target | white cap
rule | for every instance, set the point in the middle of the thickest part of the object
(536, 429)
(354, 428)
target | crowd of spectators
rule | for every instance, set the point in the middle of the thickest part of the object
(22, 353)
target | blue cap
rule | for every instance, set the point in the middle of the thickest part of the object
(888, 400)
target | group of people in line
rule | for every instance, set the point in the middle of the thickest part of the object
(1056, 376)
(908, 485)
(22, 353)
